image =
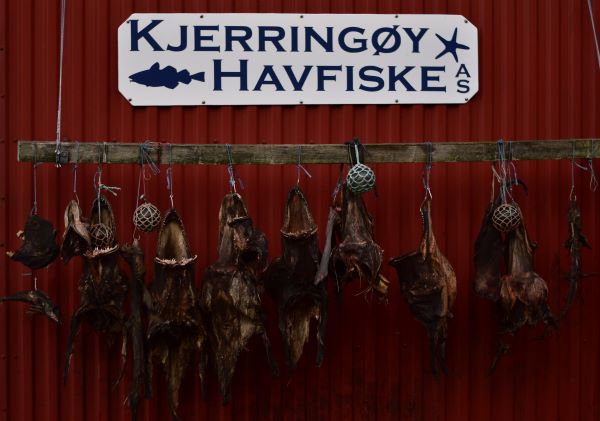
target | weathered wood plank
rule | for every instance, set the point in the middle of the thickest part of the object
(124, 153)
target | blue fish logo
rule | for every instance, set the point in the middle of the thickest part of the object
(168, 77)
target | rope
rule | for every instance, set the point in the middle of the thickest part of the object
(594, 31)
(60, 73)
(504, 173)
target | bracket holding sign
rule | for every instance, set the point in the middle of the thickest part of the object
(278, 59)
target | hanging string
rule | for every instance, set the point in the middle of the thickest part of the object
(75, 167)
(503, 177)
(34, 209)
(591, 10)
(338, 184)
(590, 166)
(98, 180)
(231, 171)
(425, 174)
(512, 169)
(145, 159)
(572, 196)
(57, 151)
(169, 174)
(299, 167)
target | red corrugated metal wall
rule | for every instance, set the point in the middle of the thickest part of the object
(538, 79)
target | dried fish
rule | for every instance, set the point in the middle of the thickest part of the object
(523, 293)
(40, 303)
(103, 290)
(289, 280)
(489, 250)
(39, 247)
(76, 238)
(230, 294)
(574, 244)
(175, 326)
(357, 255)
(134, 256)
(428, 283)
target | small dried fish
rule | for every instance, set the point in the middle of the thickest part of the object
(40, 303)
(574, 244)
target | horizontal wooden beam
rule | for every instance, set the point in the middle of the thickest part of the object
(126, 153)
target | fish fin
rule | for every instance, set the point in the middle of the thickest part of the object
(198, 76)
(172, 84)
(155, 66)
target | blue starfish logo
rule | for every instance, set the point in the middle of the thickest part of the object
(450, 46)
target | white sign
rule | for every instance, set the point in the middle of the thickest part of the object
(244, 59)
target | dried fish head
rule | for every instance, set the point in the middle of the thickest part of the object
(39, 247)
(76, 238)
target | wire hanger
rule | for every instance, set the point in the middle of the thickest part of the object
(300, 167)
(426, 172)
(231, 171)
